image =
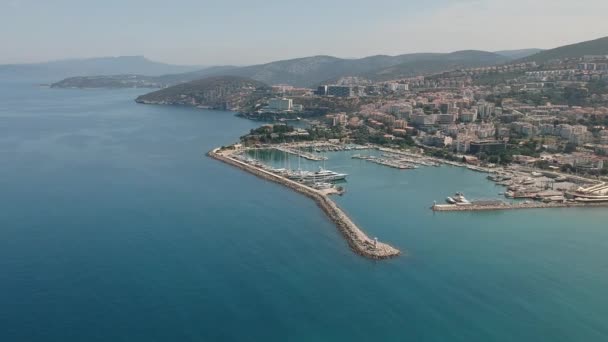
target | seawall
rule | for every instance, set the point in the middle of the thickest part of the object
(358, 241)
(532, 205)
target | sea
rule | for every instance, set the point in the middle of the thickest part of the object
(114, 226)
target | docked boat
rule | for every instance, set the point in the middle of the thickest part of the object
(460, 199)
(322, 185)
(457, 199)
(322, 176)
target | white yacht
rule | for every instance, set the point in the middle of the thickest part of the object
(320, 176)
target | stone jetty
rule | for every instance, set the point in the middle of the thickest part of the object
(507, 206)
(358, 241)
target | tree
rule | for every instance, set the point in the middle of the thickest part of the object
(506, 158)
(566, 168)
(542, 164)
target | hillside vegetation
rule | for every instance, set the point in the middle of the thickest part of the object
(591, 47)
(222, 92)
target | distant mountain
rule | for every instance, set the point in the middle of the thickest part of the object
(517, 54)
(137, 81)
(220, 92)
(312, 71)
(93, 67)
(591, 47)
(421, 64)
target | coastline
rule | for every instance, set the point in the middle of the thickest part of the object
(357, 240)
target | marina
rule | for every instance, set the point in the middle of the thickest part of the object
(525, 188)
(359, 242)
(299, 153)
(537, 190)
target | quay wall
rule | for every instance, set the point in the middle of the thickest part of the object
(534, 205)
(358, 241)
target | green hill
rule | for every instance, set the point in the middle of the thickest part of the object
(221, 92)
(518, 54)
(591, 47)
(312, 71)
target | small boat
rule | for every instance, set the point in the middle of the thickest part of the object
(460, 199)
(457, 199)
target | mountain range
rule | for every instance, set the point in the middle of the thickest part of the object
(302, 72)
(308, 71)
(102, 66)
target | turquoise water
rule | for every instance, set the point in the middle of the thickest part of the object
(114, 227)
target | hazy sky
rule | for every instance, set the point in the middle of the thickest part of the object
(247, 31)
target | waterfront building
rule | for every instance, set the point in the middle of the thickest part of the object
(280, 104)
(463, 144)
(437, 139)
(487, 146)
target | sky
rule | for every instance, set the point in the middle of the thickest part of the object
(241, 32)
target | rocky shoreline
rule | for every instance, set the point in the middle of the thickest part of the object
(358, 241)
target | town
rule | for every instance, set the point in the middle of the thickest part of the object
(541, 130)
(553, 117)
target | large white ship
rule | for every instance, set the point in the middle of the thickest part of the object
(319, 176)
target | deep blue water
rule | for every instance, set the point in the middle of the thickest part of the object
(115, 227)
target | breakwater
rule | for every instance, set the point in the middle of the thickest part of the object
(358, 241)
(507, 206)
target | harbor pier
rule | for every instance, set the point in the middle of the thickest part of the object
(514, 206)
(358, 241)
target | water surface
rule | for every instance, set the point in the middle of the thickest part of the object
(115, 227)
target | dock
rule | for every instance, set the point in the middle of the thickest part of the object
(396, 164)
(300, 153)
(356, 238)
(514, 206)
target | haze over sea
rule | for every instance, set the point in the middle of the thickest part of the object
(115, 227)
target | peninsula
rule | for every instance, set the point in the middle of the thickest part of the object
(221, 92)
